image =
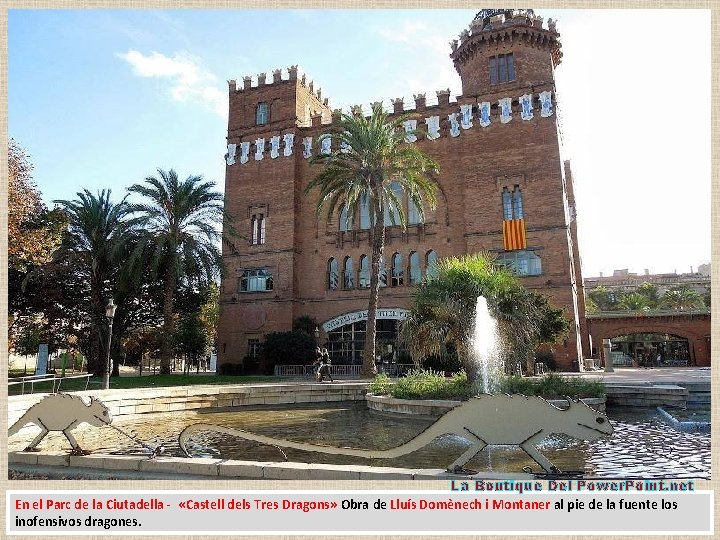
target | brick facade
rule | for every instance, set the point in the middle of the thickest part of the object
(475, 166)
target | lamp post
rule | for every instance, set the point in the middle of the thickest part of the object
(110, 314)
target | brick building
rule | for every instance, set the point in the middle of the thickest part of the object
(503, 187)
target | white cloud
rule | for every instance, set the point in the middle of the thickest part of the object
(189, 82)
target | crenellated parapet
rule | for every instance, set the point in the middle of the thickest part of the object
(442, 120)
(278, 76)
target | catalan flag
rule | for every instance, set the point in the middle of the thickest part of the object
(514, 234)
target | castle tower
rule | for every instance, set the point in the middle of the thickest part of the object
(506, 49)
(261, 202)
(503, 187)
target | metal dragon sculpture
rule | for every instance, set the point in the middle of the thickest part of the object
(483, 420)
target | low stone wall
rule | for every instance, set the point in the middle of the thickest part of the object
(221, 469)
(185, 398)
(647, 395)
(438, 407)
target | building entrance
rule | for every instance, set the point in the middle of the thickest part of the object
(651, 350)
(345, 343)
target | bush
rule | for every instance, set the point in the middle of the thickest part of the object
(553, 386)
(285, 348)
(547, 358)
(229, 368)
(422, 384)
(381, 385)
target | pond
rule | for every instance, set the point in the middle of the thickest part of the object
(642, 445)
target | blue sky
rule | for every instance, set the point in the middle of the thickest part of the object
(101, 98)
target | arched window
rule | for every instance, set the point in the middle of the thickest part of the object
(261, 113)
(257, 226)
(364, 212)
(348, 274)
(346, 222)
(383, 273)
(517, 203)
(507, 204)
(364, 272)
(254, 230)
(413, 213)
(431, 264)
(415, 269)
(392, 216)
(332, 275)
(397, 271)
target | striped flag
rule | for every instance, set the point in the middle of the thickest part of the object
(514, 234)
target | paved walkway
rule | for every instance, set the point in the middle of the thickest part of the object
(650, 375)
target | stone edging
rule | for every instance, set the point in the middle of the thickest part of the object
(438, 407)
(226, 469)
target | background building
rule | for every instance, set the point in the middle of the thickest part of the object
(503, 187)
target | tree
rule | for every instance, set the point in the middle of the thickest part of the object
(682, 298)
(603, 299)
(34, 233)
(93, 244)
(634, 301)
(443, 313)
(181, 220)
(372, 159)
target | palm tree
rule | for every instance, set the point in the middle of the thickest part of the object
(94, 241)
(373, 156)
(182, 222)
(443, 313)
(681, 298)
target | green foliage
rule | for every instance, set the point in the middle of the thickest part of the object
(421, 384)
(305, 324)
(553, 385)
(381, 385)
(682, 298)
(602, 298)
(372, 156)
(443, 312)
(547, 358)
(282, 348)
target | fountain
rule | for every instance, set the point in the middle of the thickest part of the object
(484, 349)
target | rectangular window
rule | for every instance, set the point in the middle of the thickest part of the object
(522, 263)
(254, 348)
(257, 229)
(261, 115)
(502, 68)
(256, 280)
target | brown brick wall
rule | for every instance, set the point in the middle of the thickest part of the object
(474, 167)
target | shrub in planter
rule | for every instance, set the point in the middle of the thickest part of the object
(423, 385)
(553, 386)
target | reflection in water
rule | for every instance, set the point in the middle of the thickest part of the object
(641, 446)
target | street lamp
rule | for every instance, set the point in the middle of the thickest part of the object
(110, 314)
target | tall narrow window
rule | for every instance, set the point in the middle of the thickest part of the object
(397, 271)
(254, 230)
(261, 227)
(348, 274)
(346, 222)
(383, 272)
(415, 270)
(364, 272)
(261, 113)
(493, 70)
(392, 213)
(253, 348)
(517, 203)
(431, 264)
(413, 213)
(507, 204)
(332, 275)
(364, 212)
(257, 232)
